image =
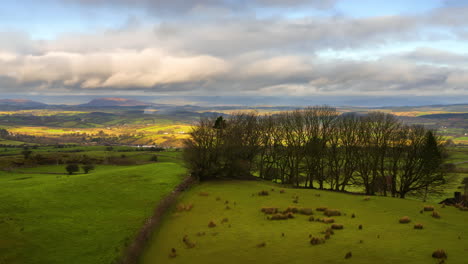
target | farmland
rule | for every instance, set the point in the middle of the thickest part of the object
(49, 216)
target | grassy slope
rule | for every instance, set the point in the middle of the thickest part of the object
(80, 218)
(398, 243)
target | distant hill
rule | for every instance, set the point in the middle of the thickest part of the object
(21, 103)
(115, 101)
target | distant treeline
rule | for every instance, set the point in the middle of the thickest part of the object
(319, 148)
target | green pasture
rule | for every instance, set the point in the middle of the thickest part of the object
(82, 218)
(248, 237)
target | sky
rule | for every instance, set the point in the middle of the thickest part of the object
(236, 49)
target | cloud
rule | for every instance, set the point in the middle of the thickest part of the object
(185, 6)
(239, 55)
(118, 69)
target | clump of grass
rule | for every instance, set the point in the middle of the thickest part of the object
(367, 198)
(211, 224)
(279, 217)
(428, 208)
(404, 220)
(187, 242)
(282, 191)
(328, 220)
(173, 253)
(353, 216)
(337, 226)
(306, 211)
(269, 210)
(296, 199)
(418, 226)
(317, 241)
(227, 207)
(332, 212)
(225, 220)
(291, 209)
(435, 214)
(184, 207)
(321, 209)
(311, 218)
(201, 233)
(348, 255)
(263, 193)
(218, 198)
(261, 245)
(360, 227)
(439, 254)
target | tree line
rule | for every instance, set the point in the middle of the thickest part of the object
(318, 147)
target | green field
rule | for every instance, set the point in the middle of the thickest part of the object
(47, 216)
(382, 240)
(82, 218)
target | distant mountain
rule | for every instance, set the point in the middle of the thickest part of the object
(115, 101)
(20, 103)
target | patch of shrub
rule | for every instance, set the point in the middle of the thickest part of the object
(211, 224)
(269, 210)
(306, 211)
(291, 209)
(360, 227)
(337, 226)
(279, 217)
(435, 214)
(418, 226)
(428, 208)
(321, 209)
(404, 220)
(317, 241)
(263, 193)
(328, 220)
(311, 218)
(332, 212)
(439, 254)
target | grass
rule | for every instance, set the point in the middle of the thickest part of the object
(83, 218)
(384, 240)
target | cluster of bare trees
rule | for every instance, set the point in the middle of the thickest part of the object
(319, 148)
